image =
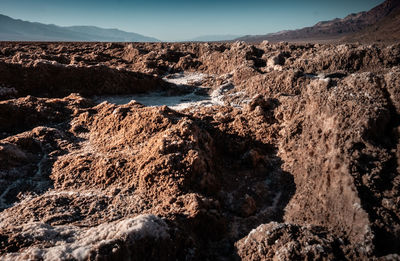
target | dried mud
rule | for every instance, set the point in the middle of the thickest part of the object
(299, 159)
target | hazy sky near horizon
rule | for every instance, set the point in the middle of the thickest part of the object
(176, 20)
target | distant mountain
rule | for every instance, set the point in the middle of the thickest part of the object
(387, 29)
(214, 38)
(337, 29)
(18, 30)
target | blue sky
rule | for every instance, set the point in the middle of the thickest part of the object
(175, 20)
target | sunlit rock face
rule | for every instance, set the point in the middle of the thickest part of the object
(214, 151)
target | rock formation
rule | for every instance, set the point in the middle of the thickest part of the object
(298, 160)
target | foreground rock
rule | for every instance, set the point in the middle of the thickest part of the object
(298, 161)
(276, 241)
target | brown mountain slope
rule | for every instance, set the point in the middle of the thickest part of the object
(336, 29)
(387, 29)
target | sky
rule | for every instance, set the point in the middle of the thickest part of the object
(176, 20)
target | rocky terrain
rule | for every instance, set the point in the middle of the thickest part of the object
(380, 24)
(293, 154)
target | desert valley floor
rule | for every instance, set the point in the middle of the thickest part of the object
(263, 152)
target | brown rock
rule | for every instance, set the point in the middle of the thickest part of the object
(312, 143)
(277, 241)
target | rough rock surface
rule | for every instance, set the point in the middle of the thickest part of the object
(277, 241)
(298, 159)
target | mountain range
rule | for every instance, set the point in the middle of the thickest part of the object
(18, 30)
(381, 23)
(214, 38)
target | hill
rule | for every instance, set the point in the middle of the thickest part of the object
(382, 21)
(18, 30)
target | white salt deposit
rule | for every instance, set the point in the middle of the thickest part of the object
(37, 182)
(176, 102)
(158, 99)
(320, 76)
(71, 242)
(185, 78)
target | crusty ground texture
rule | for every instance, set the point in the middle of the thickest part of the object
(300, 162)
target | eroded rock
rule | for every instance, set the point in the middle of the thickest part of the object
(297, 157)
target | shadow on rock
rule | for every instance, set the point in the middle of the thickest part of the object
(44, 79)
(25, 163)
